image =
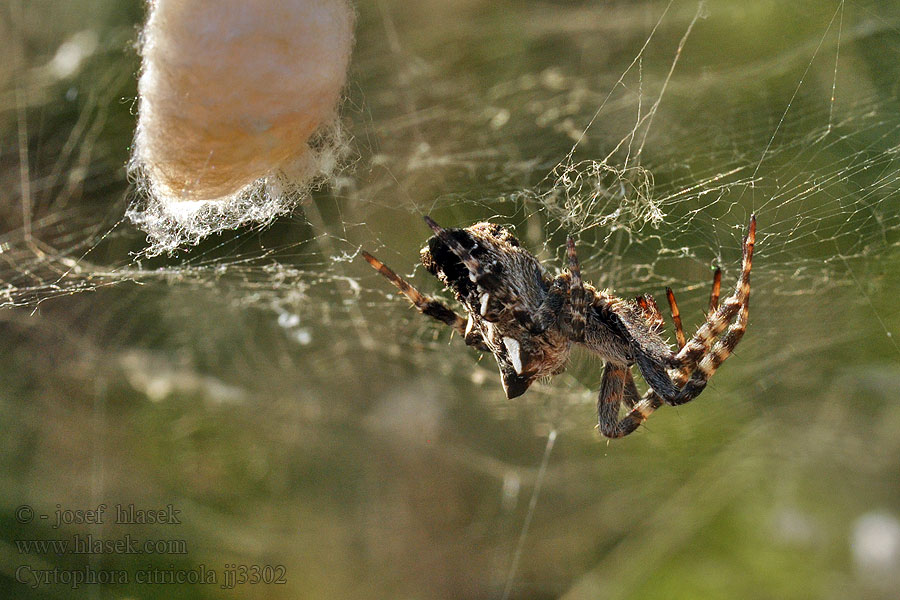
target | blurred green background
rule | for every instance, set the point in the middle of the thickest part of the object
(273, 389)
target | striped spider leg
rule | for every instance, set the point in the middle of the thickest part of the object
(640, 408)
(699, 359)
(695, 361)
(426, 305)
(529, 320)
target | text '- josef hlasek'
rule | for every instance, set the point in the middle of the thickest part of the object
(118, 514)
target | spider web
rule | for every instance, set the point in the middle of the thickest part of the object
(648, 131)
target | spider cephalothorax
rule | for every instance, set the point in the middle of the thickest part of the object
(529, 321)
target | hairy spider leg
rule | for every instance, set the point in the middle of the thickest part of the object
(650, 310)
(714, 294)
(549, 310)
(722, 349)
(654, 310)
(576, 292)
(643, 407)
(676, 318)
(618, 386)
(645, 308)
(713, 305)
(630, 396)
(425, 304)
(698, 362)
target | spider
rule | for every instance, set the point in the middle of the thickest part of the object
(529, 321)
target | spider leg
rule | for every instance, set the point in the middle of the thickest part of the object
(698, 362)
(566, 286)
(631, 395)
(715, 357)
(426, 305)
(650, 310)
(673, 377)
(714, 295)
(645, 308)
(688, 357)
(576, 292)
(548, 312)
(676, 317)
(618, 385)
(676, 314)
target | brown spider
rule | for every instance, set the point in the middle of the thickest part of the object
(529, 321)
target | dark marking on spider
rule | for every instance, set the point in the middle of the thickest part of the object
(530, 320)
